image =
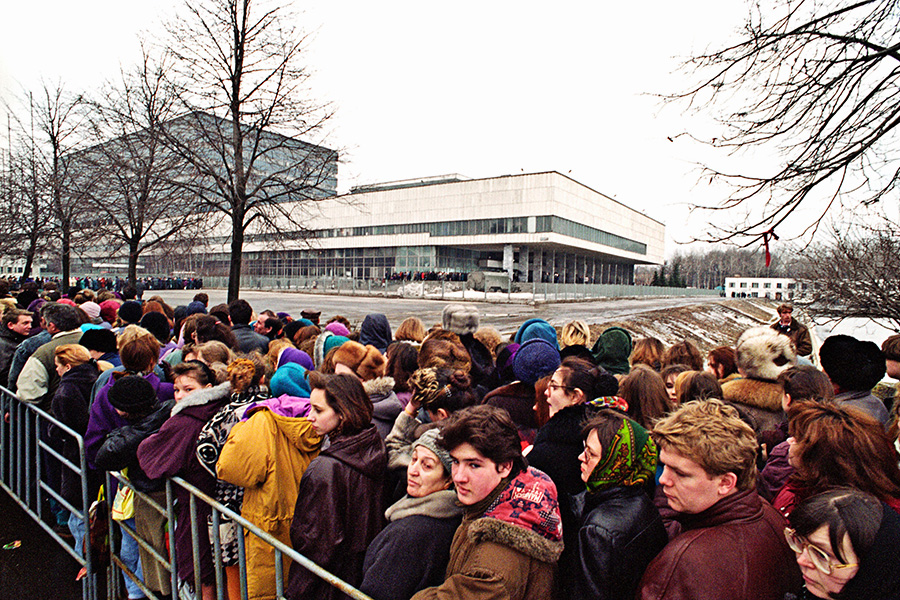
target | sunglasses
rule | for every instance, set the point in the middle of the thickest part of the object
(820, 559)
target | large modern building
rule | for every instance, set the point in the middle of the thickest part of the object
(537, 227)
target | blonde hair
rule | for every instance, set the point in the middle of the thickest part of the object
(214, 351)
(71, 354)
(490, 337)
(575, 333)
(246, 372)
(710, 433)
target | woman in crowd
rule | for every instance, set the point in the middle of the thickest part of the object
(721, 362)
(402, 362)
(575, 340)
(412, 330)
(266, 454)
(340, 500)
(647, 351)
(834, 445)
(621, 530)
(696, 385)
(846, 544)
(172, 451)
(245, 376)
(420, 528)
(645, 393)
(369, 365)
(70, 406)
(683, 353)
(669, 375)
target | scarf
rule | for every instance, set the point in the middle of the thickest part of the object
(629, 460)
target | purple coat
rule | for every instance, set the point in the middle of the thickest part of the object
(104, 418)
(172, 451)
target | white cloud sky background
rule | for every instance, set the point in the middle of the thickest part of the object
(477, 88)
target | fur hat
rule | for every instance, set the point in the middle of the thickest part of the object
(460, 319)
(763, 353)
(312, 315)
(366, 361)
(852, 364)
(444, 349)
(429, 440)
(535, 359)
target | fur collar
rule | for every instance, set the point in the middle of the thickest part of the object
(203, 396)
(380, 386)
(754, 392)
(518, 538)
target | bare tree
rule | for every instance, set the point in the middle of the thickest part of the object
(57, 115)
(813, 83)
(855, 275)
(135, 184)
(24, 210)
(240, 78)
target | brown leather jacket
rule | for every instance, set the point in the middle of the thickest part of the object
(734, 550)
(799, 334)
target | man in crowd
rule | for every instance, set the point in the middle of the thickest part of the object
(511, 535)
(38, 380)
(268, 325)
(240, 313)
(794, 329)
(854, 368)
(731, 545)
(14, 328)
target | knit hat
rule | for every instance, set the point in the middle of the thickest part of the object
(429, 440)
(108, 310)
(290, 379)
(157, 324)
(612, 350)
(292, 355)
(285, 317)
(460, 319)
(338, 328)
(763, 353)
(133, 395)
(99, 340)
(325, 341)
(92, 309)
(536, 328)
(535, 359)
(304, 323)
(195, 307)
(366, 361)
(130, 311)
(852, 364)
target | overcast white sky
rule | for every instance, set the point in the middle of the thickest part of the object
(472, 87)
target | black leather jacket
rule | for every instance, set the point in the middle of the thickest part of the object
(621, 532)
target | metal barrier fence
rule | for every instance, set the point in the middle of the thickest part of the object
(449, 290)
(23, 474)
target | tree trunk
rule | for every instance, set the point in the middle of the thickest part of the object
(65, 256)
(234, 268)
(133, 254)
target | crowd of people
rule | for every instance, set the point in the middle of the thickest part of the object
(450, 461)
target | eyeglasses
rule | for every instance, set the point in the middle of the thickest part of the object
(555, 386)
(820, 559)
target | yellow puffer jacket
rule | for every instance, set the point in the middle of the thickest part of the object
(267, 455)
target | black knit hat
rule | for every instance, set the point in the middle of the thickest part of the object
(99, 339)
(130, 312)
(157, 324)
(133, 395)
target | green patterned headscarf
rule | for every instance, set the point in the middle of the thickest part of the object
(629, 460)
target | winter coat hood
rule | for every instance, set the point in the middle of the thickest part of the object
(362, 451)
(284, 405)
(375, 331)
(525, 517)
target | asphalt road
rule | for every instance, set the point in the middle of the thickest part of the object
(505, 317)
(38, 569)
